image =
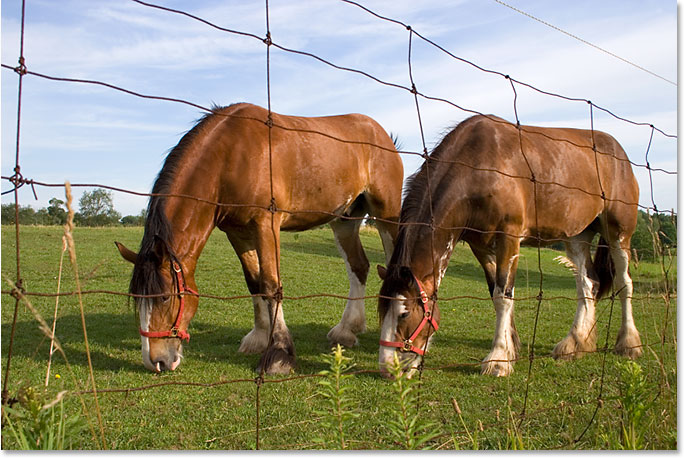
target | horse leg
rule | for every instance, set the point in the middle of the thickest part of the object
(506, 342)
(256, 340)
(353, 318)
(386, 209)
(388, 235)
(279, 356)
(487, 260)
(581, 338)
(628, 341)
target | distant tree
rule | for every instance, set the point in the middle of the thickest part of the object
(139, 220)
(97, 209)
(27, 215)
(58, 215)
(665, 225)
(7, 214)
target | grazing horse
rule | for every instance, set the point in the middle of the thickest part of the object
(333, 169)
(495, 188)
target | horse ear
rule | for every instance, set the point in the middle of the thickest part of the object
(160, 249)
(382, 272)
(406, 274)
(128, 255)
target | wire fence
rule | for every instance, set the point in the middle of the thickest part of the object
(17, 180)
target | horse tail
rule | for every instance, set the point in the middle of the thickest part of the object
(398, 145)
(603, 266)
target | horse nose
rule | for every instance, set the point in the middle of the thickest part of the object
(166, 363)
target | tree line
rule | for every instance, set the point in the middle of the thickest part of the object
(96, 208)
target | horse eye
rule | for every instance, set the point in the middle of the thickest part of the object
(165, 299)
(403, 315)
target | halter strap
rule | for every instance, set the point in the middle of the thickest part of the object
(407, 345)
(175, 331)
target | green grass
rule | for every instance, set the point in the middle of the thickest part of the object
(562, 395)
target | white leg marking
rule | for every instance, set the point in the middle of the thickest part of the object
(256, 340)
(628, 342)
(499, 362)
(582, 335)
(353, 319)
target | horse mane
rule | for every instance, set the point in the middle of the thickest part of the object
(146, 279)
(415, 207)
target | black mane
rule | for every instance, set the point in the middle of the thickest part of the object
(415, 207)
(158, 236)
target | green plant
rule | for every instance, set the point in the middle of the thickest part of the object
(635, 403)
(339, 407)
(35, 426)
(405, 422)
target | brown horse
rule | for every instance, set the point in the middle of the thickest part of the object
(321, 170)
(496, 188)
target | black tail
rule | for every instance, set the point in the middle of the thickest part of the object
(397, 143)
(603, 266)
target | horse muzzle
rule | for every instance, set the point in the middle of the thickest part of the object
(160, 358)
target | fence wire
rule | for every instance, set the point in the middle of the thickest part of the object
(17, 180)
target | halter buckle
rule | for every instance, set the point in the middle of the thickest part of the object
(407, 345)
(174, 332)
(176, 267)
(427, 314)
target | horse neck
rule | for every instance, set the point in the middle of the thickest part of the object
(428, 255)
(190, 212)
(191, 227)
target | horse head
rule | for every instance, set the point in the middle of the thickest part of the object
(408, 318)
(165, 303)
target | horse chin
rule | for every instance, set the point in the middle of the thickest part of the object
(409, 364)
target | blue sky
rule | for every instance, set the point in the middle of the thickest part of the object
(88, 134)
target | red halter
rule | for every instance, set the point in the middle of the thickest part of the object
(407, 345)
(175, 331)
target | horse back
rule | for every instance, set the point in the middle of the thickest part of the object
(308, 164)
(536, 180)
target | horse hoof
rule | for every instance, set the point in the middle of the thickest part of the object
(254, 342)
(277, 361)
(344, 337)
(573, 347)
(497, 369)
(629, 345)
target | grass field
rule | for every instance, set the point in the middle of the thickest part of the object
(561, 400)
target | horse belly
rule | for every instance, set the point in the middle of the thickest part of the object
(319, 195)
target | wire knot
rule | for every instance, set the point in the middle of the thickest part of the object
(21, 68)
(268, 41)
(414, 91)
(278, 294)
(259, 380)
(18, 291)
(272, 207)
(269, 121)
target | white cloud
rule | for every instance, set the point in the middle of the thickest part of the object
(160, 53)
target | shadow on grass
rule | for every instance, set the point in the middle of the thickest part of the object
(115, 344)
